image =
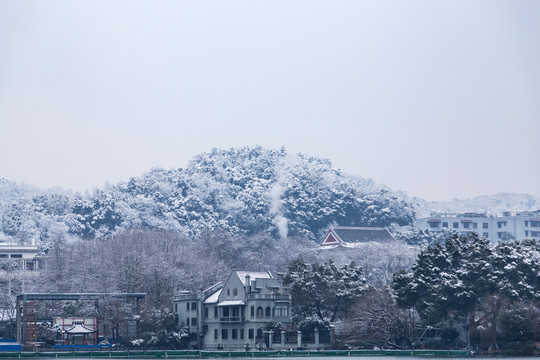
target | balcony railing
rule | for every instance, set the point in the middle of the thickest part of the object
(254, 296)
(232, 319)
(191, 297)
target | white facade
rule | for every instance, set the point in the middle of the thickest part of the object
(234, 315)
(518, 226)
(24, 257)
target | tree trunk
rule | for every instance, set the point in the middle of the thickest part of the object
(472, 331)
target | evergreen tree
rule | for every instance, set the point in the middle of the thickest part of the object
(466, 275)
(324, 290)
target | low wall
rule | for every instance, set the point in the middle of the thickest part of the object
(187, 354)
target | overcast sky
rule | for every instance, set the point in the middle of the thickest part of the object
(440, 99)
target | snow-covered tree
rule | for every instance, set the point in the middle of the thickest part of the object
(465, 277)
(323, 289)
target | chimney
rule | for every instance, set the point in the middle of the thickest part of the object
(248, 284)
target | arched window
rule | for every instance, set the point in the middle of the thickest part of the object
(259, 312)
(267, 311)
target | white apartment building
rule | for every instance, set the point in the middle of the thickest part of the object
(509, 226)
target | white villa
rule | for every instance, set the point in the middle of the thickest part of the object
(234, 314)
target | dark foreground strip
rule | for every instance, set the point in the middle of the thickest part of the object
(195, 354)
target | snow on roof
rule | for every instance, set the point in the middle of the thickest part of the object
(363, 234)
(231, 303)
(253, 275)
(79, 328)
(212, 299)
(352, 236)
(18, 248)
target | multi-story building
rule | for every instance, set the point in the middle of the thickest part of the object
(234, 314)
(519, 226)
(22, 257)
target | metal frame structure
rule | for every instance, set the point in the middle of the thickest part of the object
(27, 310)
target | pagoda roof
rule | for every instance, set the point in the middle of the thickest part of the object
(79, 328)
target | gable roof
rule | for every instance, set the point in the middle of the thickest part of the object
(347, 236)
(212, 299)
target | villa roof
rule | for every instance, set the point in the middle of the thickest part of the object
(231, 303)
(253, 275)
(212, 299)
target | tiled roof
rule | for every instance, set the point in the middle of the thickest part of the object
(79, 328)
(363, 234)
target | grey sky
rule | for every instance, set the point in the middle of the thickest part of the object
(437, 98)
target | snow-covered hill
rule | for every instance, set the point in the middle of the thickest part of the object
(241, 191)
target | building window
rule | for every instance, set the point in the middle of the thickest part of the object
(486, 235)
(224, 334)
(445, 225)
(242, 334)
(526, 222)
(193, 306)
(535, 234)
(259, 312)
(175, 307)
(206, 312)
(215, 334)
(193, 321)
(187, 306)
(433, 225)
(534, 223)
(455, 225)
(526, 232)
(235, 292)
(281, 311)
(500, 224)
(465, 225)
(252, 311)
(225, 311)
(215, 311)
(16, 256)
(267, 311)
(259, 334)
(228, 292)
(251, 333)
(474, 225)
(234, 334)
(485, 225)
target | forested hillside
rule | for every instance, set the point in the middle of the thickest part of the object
(241, 191)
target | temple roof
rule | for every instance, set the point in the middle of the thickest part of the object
(79, 328)
(350, 236)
